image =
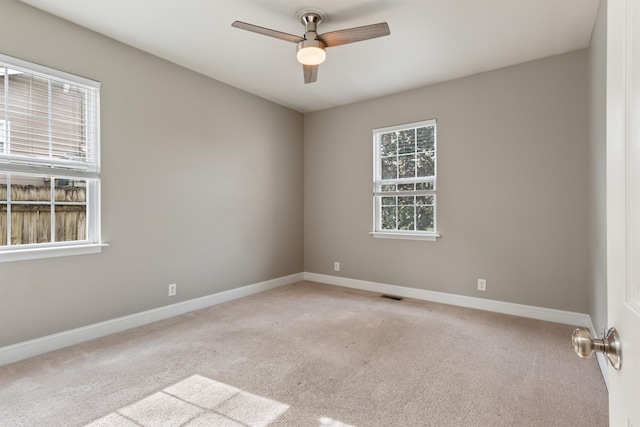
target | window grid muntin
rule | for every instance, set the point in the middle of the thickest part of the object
(51, 203)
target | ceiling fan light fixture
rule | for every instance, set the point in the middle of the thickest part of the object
(311, 55)
(310, 51)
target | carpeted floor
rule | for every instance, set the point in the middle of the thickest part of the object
(314, 355)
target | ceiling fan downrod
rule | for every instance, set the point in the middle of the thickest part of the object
(311, 20)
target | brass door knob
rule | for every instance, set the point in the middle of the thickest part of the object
(585, 345)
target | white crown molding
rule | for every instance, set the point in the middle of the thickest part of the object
(26, 349)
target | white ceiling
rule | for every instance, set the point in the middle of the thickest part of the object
(431, 40)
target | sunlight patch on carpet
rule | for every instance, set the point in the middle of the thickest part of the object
(196, 401)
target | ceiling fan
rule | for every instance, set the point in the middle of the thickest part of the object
(310, 51)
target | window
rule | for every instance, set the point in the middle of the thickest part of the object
(49, 162)
(404, 181)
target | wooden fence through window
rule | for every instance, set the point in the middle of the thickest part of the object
(31, 223)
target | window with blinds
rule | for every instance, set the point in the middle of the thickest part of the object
(404, 192)
(49, 158)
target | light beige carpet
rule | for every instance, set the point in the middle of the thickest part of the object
(314, 355)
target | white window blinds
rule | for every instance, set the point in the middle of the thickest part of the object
(50, 120)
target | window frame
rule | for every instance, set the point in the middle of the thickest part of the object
(56, 168)
(378, 182)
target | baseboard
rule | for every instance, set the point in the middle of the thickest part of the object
(540, 313)
(26, 349)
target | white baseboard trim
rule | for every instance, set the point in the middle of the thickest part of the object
(26, 349)
(540, 313)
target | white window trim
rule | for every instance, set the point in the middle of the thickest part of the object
(51, 252)
(407, 235)
(397, 234)
(31, 68)
(58, 249)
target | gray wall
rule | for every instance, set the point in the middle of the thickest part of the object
(597, 264)
(202, 186)
(512, 186)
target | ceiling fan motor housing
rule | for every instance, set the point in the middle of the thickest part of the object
(311, 40)
(311, 20)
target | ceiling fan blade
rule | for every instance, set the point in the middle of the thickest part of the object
(267, 32)
(310, 73)
(356, 34)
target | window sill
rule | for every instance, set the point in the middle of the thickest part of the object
(50, 252)
(404, 236)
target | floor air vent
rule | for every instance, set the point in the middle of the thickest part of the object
(393, 297)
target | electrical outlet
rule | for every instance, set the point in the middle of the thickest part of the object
(172, 289)
(482, 284)
(336, 266)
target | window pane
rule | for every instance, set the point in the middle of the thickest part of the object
(406, 187)
(424, 200)
(388, 187)
(425, 139)
(406, 217)
(425, 186)
(66, 140)
(424, 218)
(47, 117)
(71, 222)
(406, 142)
(30, 224)
(27, 108)
(406, 166)
(389, 201)
(406, 200)
(388, 218)
(426, 164)
(431, 164)
(69, 190)
(421, 164)
(389, 168)
(29, 189)
(389, 144)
